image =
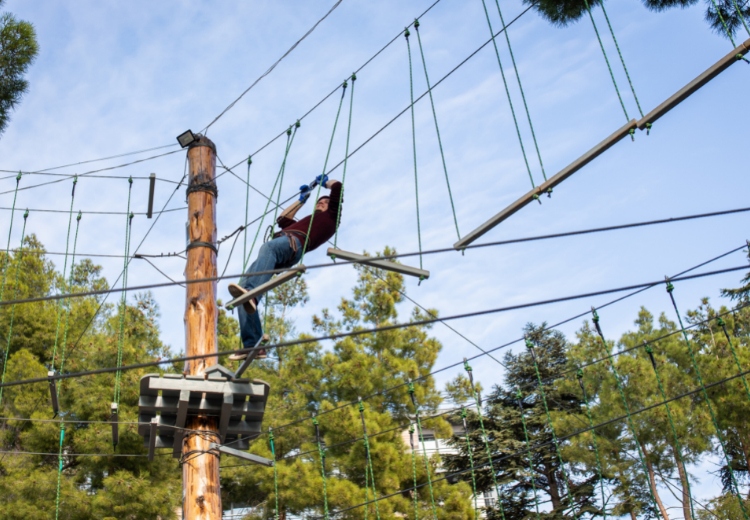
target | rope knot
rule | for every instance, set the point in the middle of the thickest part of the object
(406, 33)
(670, 287)
(416, 24)
(596, 315)
(579, 374)
(632, 134)
(78, 218)
(536, 198)
(720, 322)
(289, 131)
(648, 128)
(18, 177)
(130, 180)
(297, 124)
(354, 77)
(249, 160)
(26, 214)
(529, 344)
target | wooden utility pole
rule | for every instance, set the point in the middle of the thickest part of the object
(200, 469)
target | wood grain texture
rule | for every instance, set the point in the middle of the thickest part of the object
(200, 470)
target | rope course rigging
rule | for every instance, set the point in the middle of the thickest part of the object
(484, 458)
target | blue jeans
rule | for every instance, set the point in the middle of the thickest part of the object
(274, 254)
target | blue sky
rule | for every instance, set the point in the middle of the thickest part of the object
(113, 78)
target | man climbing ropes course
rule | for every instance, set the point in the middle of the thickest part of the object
(284, 250)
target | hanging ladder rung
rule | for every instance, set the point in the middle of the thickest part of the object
(553, 181)
(381, 264)
(681, 95)
(53, 393)
(264, 288)
(114, 419)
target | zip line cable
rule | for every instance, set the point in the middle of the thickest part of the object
(270, 69)
(339, 335)
(84, 212)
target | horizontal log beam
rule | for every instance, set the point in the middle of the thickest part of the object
(380, 264)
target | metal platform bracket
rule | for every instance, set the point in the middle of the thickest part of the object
(166, 401)
(388, 265)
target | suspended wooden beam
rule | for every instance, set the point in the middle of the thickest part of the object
(53, 392)
(553, 181)
(709, 74)
(114, 419)
(381, 264)
(264, 288)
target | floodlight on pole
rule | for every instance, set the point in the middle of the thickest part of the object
(186, 138)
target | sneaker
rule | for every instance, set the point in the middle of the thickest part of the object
(261, 352)
(236, 291)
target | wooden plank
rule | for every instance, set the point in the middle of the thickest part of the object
(689, 89)
(381, 264)
(264, 288)
(553, 181)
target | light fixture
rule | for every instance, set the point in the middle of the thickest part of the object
(186, 138)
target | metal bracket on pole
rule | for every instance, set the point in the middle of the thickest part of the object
(53, 392)
(381, 264)
(242, 455)
(114, 419)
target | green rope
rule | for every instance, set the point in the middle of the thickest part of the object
(414, 470)
(606, 59)
(275, 474)
(247, 207)
(487, 450)
(65, 268)
(369, 462)
(618, 382)
(280, 179)
(530, 347)
(10, 231)
(325, 167)
(471, 462)
(622, 60)
(322, 455)
(739, 12)
(123, 299)
(719, 435)
(519, 399)
(367, 496)
(437, 128)
(346, 159)
(289, 140)
(68, 302)
(424, 448)
(724, 23)
(507, 93)
(523, 95)
(579, 375)
(414, 144)
(677, 447)
(720, 322)
(59, 470)
(13, 307)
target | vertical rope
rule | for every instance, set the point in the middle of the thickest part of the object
(123, 299)
(282, 171)
(742, 18)
(414, 144)
(579, 375)
(609, 67)
(65, 268)
(10, 231)
(519, 400)
(275, 474)
(68, 301)
(424, 448)
(677, 447)
(346, 159)
(19, 257)
(59, 470)
(724, 23)
(471, 462)
(622, 60)
(437, 128)
(719, 435)
(720, 322)
(289, 140)
(510, 100)
(523, 96)
(414, 470)
(530, 347)
(618, 382)
(247, 207)
(487, 450)
(369, 461)
(325, 167)
(322, 455)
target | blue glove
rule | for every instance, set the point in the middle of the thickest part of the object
(304, 193)
(321, 179)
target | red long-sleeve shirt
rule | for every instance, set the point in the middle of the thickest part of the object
(323, 223)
